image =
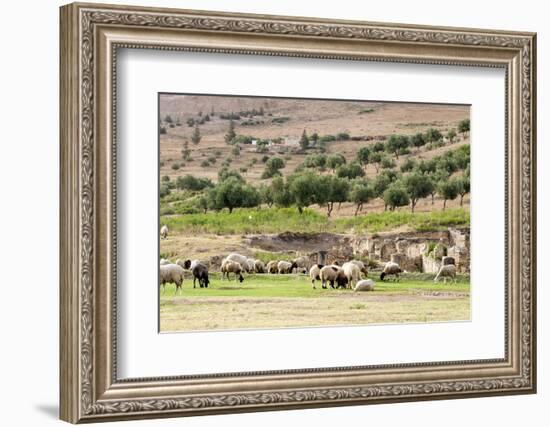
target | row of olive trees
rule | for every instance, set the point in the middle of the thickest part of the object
(308, 188)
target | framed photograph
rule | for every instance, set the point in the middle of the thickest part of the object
(266, 213)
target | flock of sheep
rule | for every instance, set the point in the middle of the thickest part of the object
(349, 275)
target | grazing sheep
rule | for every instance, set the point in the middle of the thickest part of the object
(251, 263)
(241, 259)
(285, 267)
(352, 272)
(361, 265)
(445, 271)
(200, 271)
(229, 266)
(187, 264)
(315, 273)
(302, 262)
(171, 273)
(391, 268)
(164, 232)
(259, 266)
(272, 267)
(364, 285)
(331, 274)
(164, 261)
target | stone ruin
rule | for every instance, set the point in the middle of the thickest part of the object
(418, 251)
(422, 251)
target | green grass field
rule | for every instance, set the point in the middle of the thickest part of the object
(276, 220)
(274, 301)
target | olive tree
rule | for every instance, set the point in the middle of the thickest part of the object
(433, 135)
(329, 190)
(397, 143)
(273, 167)
(396, 196)
(463, 185)
(376, 159)
(418, 186)
(304, 189)
(451, 135)
(233, 193)
(464, 126)
(418, 140)
(363, 155)
(448, 190)
(280, 192)
(335, 160)
(361, 192)
(350, 171)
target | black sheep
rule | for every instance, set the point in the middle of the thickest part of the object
(200, 272)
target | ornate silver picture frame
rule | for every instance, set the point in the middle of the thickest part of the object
(91, 34)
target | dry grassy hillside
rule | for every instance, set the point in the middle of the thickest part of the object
(376, 120)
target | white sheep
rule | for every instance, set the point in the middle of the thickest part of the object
(315, 274)
(302, 262)
(241, 259)
(445, 271)
(171, 273)
(251, 263)
(364, 285)
(391, 268)
(331, 274)
(259, 266)
(361, 265)
(164, 232)
(164, 261)
(285, 267)
(272, 267)
(229, 266)
(352, 272)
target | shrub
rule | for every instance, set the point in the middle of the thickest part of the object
(408, 165)
(464, 126)
(164, 191)
(327, 138)
(387, 163)
(342, 136)
(175, 166)
(280, 120)
(162, 130)
(433, 135)
(191, 183)
(165, 178)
